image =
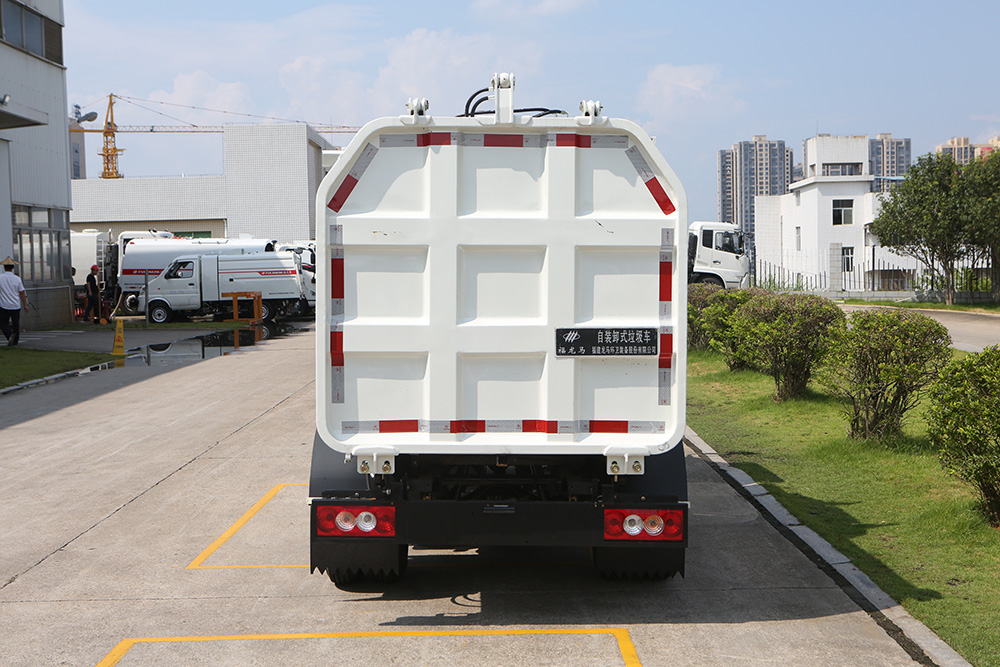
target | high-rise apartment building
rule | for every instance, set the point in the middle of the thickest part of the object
(889, 160)
(748, 169)
(965, 152)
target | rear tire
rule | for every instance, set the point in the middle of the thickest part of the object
(160, 313)
(267, 311)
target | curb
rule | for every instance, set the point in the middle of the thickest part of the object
(922, 637)
(60, 376)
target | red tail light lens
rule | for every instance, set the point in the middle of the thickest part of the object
(356, 520)
(644, 525)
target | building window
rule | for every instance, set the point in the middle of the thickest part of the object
(23, 28)
(847, 259)
(798, 239)
(842, 169)
(843, 211)
(41, 245)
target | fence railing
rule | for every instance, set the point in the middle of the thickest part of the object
(870, 276)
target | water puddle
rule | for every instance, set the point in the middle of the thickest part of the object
(198, 348)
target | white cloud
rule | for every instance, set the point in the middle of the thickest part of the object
(518, 9)
(677, 93)
(202, 90)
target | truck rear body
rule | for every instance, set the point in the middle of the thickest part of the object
(501, 326)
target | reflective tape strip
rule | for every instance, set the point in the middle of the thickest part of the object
(666, 276)
(665, 361)
(337, 347)
(457, 426)
(417, 140)
(649, 178)
(660, 196)
(666, 346)
(337, 278)
(353, 176)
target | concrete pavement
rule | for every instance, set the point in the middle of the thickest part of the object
(163, 521)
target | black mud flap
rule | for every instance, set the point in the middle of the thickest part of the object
(626, 562)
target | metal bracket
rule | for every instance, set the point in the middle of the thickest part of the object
(625, 461)
(503, 88)
(375, 460)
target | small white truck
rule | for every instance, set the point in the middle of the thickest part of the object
(196, 285)
(717, 255)
(501, 322)
(142, 258)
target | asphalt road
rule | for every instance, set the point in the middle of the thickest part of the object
(159, 518)
(971, 332)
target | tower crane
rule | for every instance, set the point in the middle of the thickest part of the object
(111, 152)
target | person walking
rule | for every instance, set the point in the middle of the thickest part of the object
(12, 297)
(93, 295)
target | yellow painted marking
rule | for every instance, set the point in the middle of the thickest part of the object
(625, 645)
(196, 564)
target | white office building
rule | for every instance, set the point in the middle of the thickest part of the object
(272, 172)
(34, 156)
(818, 236)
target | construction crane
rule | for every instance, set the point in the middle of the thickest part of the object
(111, 152)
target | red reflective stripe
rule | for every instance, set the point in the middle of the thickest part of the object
(337, 278)
(343, 192)
(398, 426)
(660, 195)
(578, 140)
(603, 426)
(666, 350)
(507, 140)
(666, 280)
(539, 426)
(434, 139)
(468, 426)
(337, 348)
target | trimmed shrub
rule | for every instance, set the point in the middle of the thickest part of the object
(785, 336)
(716, 320)
(698, 294)
(964, 421)
(879, 365)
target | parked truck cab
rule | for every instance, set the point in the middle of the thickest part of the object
(501, 318)
(717, 255)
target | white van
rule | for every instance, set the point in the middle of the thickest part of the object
(197, 285)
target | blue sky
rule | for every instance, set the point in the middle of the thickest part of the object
(699, 76)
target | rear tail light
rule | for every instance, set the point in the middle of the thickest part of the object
(644, 525)
(356, 520)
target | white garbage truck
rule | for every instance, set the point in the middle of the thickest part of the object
(717, 255)
(501, 318)
(198, 285)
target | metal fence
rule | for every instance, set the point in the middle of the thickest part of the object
(971, 278)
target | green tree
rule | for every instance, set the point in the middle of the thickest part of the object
(879, 365)
(983, 180)
(926, 216)
(785, 336)
(964, 422)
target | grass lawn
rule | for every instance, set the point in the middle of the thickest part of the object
(914, 530)
(20, 364)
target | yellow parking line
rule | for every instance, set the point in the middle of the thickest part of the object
(625, 645)
(196, 564)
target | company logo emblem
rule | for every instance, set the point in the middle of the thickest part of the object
(571, 336)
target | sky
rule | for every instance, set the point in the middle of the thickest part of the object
(698, 76)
